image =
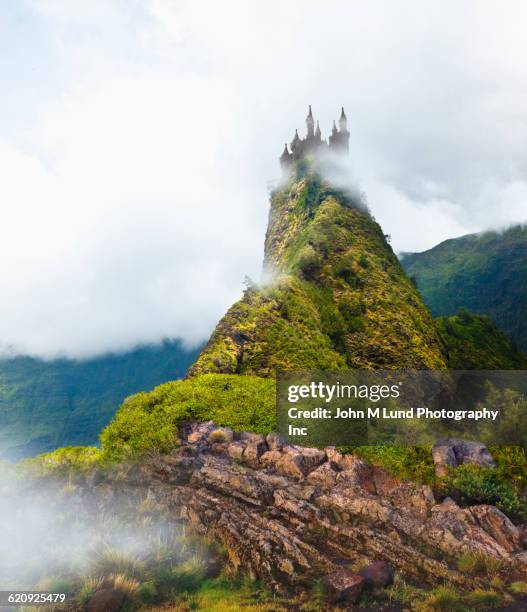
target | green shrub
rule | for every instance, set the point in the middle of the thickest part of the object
(110, 561)
(481, 597)
(149, 421)
(147, 591)
(189, 575)
(519, 588)
(444, 599)
(476, 485)
(89, 587)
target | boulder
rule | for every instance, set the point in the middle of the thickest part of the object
(343, 585)
(106, 600)
(254, 450)
(275, 441)
(200, 432)
(235, 450)
(294, 461)
(499, 526)
(452, 452)
(377, 574)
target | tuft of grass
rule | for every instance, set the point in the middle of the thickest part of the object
(442, 599)
(128, 586)
(518, 588)
(481, 597)
(218, 436)
(189, 575)
(470, 563)
(89, 587)
(110, 561)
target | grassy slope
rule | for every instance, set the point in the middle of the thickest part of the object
(45, 404)
(484, 273)
(339, 297)
(473, 342)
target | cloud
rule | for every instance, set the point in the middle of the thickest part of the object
(135, 177)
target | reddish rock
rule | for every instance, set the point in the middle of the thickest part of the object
(344, 586)
(377, 574)
(200, 432)
(496, 524)
(235, 450)
(106, 600)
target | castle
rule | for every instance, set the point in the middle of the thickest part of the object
(338, 140)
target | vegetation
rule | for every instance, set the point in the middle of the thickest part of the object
(338, 299)
(473, 342)
(47, 404)
(147, 422)
(484, 273)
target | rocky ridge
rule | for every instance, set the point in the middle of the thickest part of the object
(289, 514)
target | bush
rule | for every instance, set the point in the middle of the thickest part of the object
(444, 599)
(475, 485)
(110, 561)
(149, 421)
(480, 597)
(519, 588)
(89, 587)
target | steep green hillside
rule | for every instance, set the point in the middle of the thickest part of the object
(46, 404)
(337, 297)
(484, 273)
(473, 342)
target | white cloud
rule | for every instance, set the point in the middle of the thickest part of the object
(134, 181)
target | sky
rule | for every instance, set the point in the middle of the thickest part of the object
(139, 140)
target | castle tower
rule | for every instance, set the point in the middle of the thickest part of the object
(333, 137)
(286, 158)
(318, 134)
(339, 139)
(296, 145)
(344, 135)
(310, 123)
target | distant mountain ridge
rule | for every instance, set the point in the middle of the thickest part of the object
(47, 404)
(483, 273)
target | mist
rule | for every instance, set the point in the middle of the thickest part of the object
(137, 144)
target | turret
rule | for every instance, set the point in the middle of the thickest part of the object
(285, 158)
(318, 134)
(343, 121)
(339, 140)
(295, 142)
(310, 123)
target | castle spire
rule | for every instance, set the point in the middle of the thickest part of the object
(310, 122)
(285, 158)
(318, 133)
(334, 129)
(343, 121)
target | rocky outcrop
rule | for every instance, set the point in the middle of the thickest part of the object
(289, 514)
(453, 452)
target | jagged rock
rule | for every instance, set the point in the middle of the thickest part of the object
(200, 432)
(377, 574)
(254, 449)
(344, 586)
(275, 441)
(294, 461)
(324, 475)
(293, 514)
(235, 450)
(453, 452)
(105, 600)
(499, 526)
